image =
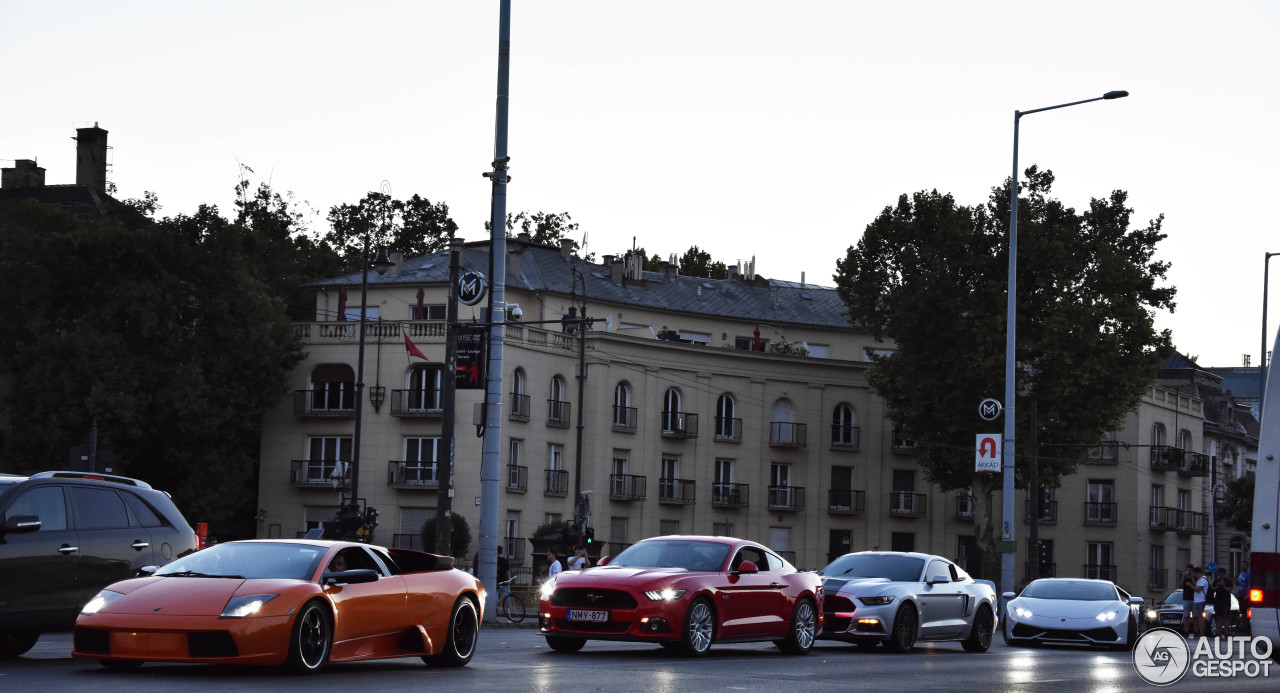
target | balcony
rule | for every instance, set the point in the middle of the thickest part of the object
(1100, 514)
(558, 413)
(1158, 578)
(514, 549)
(846, 501)
(1100, 572)
(786, 498)
(519, 408)
(784, 434)
(729, 495)
(1046, 570)
(1050, 517)
(416, 404)
(557, 483)
(322, 404)
(1187, 522)
(517, 478)
(624, 419)
(412, 475)
(679, 424)
(906, 504)
(626, 487)
(845, 437)
(728, 430)
(1166, 458)
(1107, 452)
(676, 491)
(1195, 464)
(1163, 518)
(318, 473)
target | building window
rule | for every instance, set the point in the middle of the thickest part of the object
(727, 426)
(666, 527)
(552, 518)
(695, 337)
(1099, 563)
(902, 541)
(424, 389)
(1158, 434)
(617, 534)
(750, 344)
(1184, 440)
(434, 311)
(559, 407)
(844, 431)
(819, 351)
(324, 455)
(671, 414)
(1100, 508)
(722, 529)
(333, 387)
(420, 458)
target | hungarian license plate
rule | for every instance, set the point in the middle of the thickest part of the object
(1171, 618)
(592, 615)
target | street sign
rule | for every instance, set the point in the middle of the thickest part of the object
(989, 409)
(471, 287)
(469, 368)
(988, 453)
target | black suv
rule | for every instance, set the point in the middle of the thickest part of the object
(66, 535)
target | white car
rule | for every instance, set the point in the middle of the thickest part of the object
(1072, 611)
(900, 598)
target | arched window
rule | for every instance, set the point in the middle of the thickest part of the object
(671, 411)
(844, 430)
(1158, 436)
(333, 387)
(423, 392)
(519, 400)
(624, 415)
(558, 407)
(1184, 439)
(782, 430)
(728, 427)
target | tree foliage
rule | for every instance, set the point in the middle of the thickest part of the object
(931, 275)
(415, 226)
(1237, 506)
(158, 332)
(547, 228)
(459, 535)
(698, 263)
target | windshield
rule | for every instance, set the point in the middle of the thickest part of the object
(876, 565)
(249, 560)
(1175, 599)
(705, 556)
(1070, 590)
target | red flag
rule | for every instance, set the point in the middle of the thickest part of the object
(755, 343)
(342, 304)
(413, 350)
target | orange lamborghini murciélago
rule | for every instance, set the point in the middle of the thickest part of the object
(299, 603)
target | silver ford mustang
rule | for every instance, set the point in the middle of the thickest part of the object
(902, 598)
(1068, 610)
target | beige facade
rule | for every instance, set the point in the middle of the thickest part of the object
(693, 432)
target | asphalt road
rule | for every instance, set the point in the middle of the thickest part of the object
(511, 660)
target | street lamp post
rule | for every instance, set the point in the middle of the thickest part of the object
(1007, 535)
(352, 511)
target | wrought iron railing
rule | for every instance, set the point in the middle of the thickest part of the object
(846, 501)
(906, 504)
(845, 437)
(730, 495)
(789, 498)
(679, 491)
(785, 434)
(557, 482)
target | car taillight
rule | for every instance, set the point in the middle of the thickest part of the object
(1264, 580)
(1255, 596)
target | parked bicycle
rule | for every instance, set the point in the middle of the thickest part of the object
(509, 605)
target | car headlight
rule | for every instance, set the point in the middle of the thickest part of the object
(1151, 614)
(1022, 613)
(100, 600)
(876, 601)
(248, 605)
(1107, 615)
(664, 595)
(547, 589)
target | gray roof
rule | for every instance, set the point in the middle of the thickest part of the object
(544, 269)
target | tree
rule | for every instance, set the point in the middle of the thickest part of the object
(415, 226)
(547, 228)
(697, 263)
(932, 276)
(459, 535)
(1237, 506)
(159, 334)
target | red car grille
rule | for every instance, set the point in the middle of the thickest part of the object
(563, 624)
(593, 598)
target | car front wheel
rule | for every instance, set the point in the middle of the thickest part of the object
(984, 625)
(312, 636)
(903, 637)
(699, 628)
(464, 631)
(804, 624)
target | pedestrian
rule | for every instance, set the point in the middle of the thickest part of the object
(1188, 597)
(553, 565)
(1222, 603)
(1242, 584)
(579, 560)
(504, 566)
(1198, 601)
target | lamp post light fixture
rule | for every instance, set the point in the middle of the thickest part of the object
(352, 511)
(1007, 580)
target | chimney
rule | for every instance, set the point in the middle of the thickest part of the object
(91, 157)
(616, 269)
(24, 174)
(515, 253)
(397, 262)
(566, 247)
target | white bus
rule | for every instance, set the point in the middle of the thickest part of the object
(1264, 561)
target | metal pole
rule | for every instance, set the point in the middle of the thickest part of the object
(1262, 355)
(353, 506)
(444, 497)
(580, 505)
(1033, 483)
(1007, 581)
(491, 447)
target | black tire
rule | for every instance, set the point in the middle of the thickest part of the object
(980, 636)
(699, 628)
(120, 664)
(803, 630)
(1131, 638)
(16, 643)
(312, 637)
(905, 624)
(566, 645)
(514, 609)
(464, 632)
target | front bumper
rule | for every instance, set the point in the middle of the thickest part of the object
(647, 621)
(845, 619)
(1080, 631)
(260, 640)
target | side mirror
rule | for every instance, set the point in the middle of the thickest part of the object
(21, 524)
(148, 570)
(938, 579)
(604, 561)
(350, 577)
(747, 568)
(1008, 595)
(1135, 601)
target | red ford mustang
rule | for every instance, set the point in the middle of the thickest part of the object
(302, 603)
(684, 593)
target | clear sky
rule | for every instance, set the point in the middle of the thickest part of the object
(774, 130)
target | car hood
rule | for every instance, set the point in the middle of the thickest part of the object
(187, 596)
(610, 574)
(860, 585)
(1065, 608)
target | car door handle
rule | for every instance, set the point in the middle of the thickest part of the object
(65, 550)
(139, 544)
(775, 585)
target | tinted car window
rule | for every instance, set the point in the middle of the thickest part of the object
(754, 555)
(98, 508)
(876, 565)
(143, 512)
(775, 563)
(47, 503)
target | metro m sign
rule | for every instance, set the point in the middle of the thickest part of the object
(988, 453)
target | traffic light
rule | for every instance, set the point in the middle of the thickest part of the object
(1044, 503)
(588, 536)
